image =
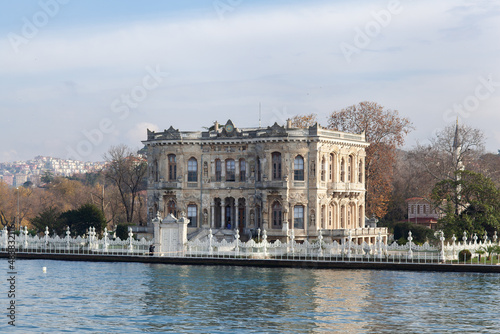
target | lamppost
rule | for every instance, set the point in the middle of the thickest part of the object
(18, 222)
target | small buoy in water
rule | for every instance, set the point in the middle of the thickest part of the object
(44, 269)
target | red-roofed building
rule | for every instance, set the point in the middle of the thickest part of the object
(422, 212)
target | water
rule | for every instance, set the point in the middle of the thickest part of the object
(92, 297)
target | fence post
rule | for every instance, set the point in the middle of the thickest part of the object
(320, 241)
(106, 239)
(130, 235)
(237, 241)
(25, 232)
(264, 241)
(454, 250)
(443, 258)
(210, 248)
(410, 252)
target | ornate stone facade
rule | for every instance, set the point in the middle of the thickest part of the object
(251, 178)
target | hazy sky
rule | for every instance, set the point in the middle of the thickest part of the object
(79, 76)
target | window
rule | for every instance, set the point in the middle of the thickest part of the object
(360, 174)
(298, 216)
(172, 208)
(230, 170)
(192, 215)
(172, 167)
(192, 170)
(424, 208)
(322, 216)
(276, 158)
(323, 169)
(155, 171)
(349, 169)
(342, 170)
(277, 215)
(218, 170)
(342, 222)
(418, 209)
(298, 168)
(330, 174)
(259, 171)
(243, 170)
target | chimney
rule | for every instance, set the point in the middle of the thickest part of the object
(289, 123)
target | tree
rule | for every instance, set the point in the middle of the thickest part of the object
(48, 218)
(86, 216)
(303, 121)
(385, 130)
(127, 171)
(454, 148)
(471, 203)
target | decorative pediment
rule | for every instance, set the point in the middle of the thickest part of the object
(275, 131)
(170, 134)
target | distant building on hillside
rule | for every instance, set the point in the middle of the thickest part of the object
(422, 212)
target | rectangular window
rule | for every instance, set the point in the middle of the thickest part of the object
(192, 170)
(298, 216)
(243, 171)
(192, 215)
(218, 171)
(230, 170)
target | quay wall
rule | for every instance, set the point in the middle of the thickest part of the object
(268, 263)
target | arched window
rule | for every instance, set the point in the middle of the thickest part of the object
(342, 218)
(349, 216)
(192, 170)
(277, 215)
(156, 171)
(323, 169)
(218, 170)
(349, 169)
(298, 216)
(230, 170)
(172, 208)
(259, 169)
(276, 158)
(192, 215)
(360, 171)
(322, 216)
(331, 171)
(172, 167)
(243, 170)
(342, 170)
(298, 168)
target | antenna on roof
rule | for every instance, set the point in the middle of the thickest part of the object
(260, 114)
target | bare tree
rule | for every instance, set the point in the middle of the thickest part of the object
(452, 149)
(126, 170)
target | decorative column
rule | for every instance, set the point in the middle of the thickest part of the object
(464, 238)
(264, 241)
(349, 237)
(236, 215)
(212, 217)
(222, 208)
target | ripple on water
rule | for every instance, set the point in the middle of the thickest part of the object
(79, 297)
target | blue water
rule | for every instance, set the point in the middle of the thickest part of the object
(91, 297)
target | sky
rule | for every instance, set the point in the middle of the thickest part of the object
(77, 77)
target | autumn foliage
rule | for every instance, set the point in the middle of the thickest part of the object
(385, 130)
(303, 121)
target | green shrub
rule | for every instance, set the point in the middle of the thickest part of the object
(464, 255)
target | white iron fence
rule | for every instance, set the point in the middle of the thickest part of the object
(317, 249)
